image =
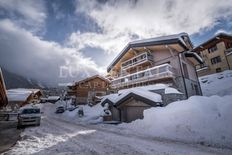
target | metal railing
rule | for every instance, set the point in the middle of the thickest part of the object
(137, 60)
(154, 73)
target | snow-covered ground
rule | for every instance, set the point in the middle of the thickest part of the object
(199, 125)
(92, 115)
(199, 119)
(217, 84)
(56, 135)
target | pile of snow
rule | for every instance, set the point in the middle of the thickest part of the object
(91, 114)
(217, 84)
(144, 91)
(198, 119)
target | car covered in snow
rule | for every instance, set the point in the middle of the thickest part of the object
(30, 115)
(60, 109)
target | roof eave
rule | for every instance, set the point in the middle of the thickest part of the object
(161, 42)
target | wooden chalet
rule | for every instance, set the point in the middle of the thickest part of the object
(89, 90)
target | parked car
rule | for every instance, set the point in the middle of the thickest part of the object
(72, 108)
(60, 109)
(29, 116)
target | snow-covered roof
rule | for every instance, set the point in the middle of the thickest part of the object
(143, 92)
(170, 90)
(216, 37)
(92, 77)
(53, 98)
(20, 94)
(170, 39)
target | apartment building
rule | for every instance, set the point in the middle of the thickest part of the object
(167, 59)
(216, 54)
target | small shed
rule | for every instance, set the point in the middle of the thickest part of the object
(129, 104)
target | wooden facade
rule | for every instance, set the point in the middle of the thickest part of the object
(3, 96)
(89, 90)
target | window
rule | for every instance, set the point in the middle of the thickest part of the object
(216, 60)
(218, 70)
(212, 49)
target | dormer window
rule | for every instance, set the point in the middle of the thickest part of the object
(212, 49)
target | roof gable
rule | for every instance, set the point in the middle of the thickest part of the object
(92, 78)
(164, 40)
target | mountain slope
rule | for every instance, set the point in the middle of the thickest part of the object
(13, 80)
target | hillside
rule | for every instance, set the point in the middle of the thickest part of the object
(13, 80)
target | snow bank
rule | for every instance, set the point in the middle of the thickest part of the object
(217, 84)
(198, 119)
(91, 114)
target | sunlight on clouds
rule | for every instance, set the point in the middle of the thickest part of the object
(119, 20)
(28, 13)
(39, 59)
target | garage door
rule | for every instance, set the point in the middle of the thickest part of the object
(133, 113)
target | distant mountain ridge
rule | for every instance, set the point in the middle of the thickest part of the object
(13, 80)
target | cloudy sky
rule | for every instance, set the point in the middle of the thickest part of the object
(56, 41)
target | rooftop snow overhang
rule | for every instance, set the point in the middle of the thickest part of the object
(136, 97)
(90, 78)
(194, 55)
(171, 39)
(107, 101)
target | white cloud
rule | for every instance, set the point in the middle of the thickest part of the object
(119, 20)
(30, 13)
(222, 31)
(28, 55)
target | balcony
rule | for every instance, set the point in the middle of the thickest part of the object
(137, 60)
(228, 51)
(151, 74)
(201, 67)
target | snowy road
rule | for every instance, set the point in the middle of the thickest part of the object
(58, 136)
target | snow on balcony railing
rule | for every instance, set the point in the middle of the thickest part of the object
(157, 72)
(137, 60)
(228, 51)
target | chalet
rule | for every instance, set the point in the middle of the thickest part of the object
(216, 53)
(21, 96)
(3, 96)
(167, 60)
(89, 90)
